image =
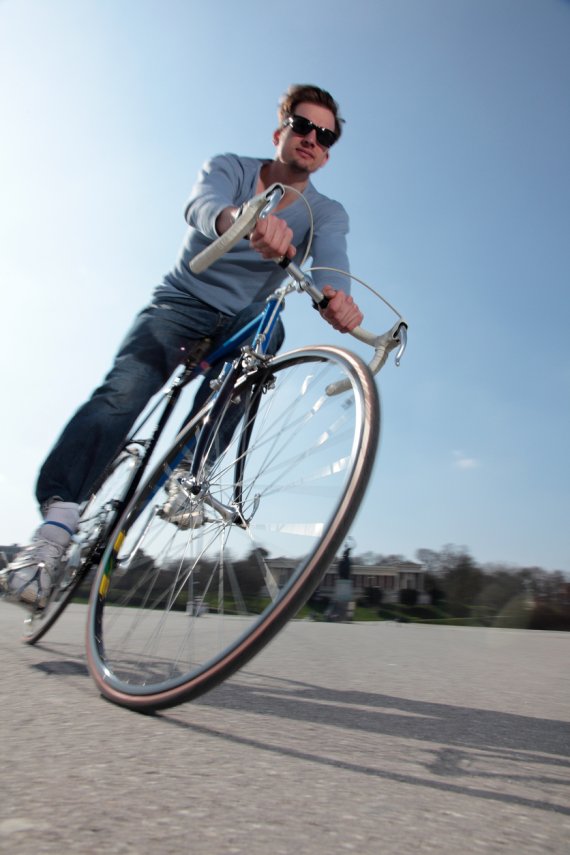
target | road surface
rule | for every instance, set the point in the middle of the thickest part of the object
(368, 738)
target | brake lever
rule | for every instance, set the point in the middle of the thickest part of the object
(277, 192)
(401, 336)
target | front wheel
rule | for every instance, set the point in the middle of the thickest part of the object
(195, 584)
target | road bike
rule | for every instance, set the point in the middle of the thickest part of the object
(202, 557)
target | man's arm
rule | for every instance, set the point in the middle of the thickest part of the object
(212, 210)
(216, 188)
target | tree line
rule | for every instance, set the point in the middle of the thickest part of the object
(488, 594)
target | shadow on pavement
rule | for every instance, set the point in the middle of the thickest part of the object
(458, 732)
(459, 740)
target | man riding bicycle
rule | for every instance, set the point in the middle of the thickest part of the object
(188, 309)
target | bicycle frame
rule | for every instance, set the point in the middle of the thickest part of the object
(267, 320)
(262, 327)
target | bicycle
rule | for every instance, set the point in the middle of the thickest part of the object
(267, 479)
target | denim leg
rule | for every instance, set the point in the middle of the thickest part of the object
(152, 349)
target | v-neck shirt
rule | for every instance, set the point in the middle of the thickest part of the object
(242, 275)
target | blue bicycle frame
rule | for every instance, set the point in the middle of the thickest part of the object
(262, 327)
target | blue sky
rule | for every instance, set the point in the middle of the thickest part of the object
(454, 168)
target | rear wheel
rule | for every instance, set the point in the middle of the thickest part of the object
(190, 591)
(84, 551)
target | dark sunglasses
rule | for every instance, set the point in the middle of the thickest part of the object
(303, 127)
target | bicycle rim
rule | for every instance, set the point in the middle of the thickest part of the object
(73, 576)
(175, 610)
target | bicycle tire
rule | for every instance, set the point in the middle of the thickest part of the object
(84, 551)
(149, 643)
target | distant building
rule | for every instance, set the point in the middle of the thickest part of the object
(390, 578)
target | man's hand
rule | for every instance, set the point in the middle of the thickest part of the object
(272, 237)
(342, 313)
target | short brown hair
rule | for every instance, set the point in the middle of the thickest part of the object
(304, 92)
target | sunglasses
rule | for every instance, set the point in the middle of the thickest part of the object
(303, 127)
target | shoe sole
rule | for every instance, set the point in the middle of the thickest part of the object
(28, 599)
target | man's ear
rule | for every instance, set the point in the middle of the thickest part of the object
(276, 136)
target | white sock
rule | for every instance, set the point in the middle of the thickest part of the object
(60, 522)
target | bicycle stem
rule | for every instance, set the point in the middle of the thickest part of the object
(303, 281)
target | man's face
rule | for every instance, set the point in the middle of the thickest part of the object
(304, 154)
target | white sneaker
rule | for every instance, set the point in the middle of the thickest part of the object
(29, 578)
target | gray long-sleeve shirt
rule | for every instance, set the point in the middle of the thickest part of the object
(242, 275)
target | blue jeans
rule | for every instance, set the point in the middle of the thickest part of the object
(163, 335)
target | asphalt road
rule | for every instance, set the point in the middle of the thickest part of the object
(339, 738)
